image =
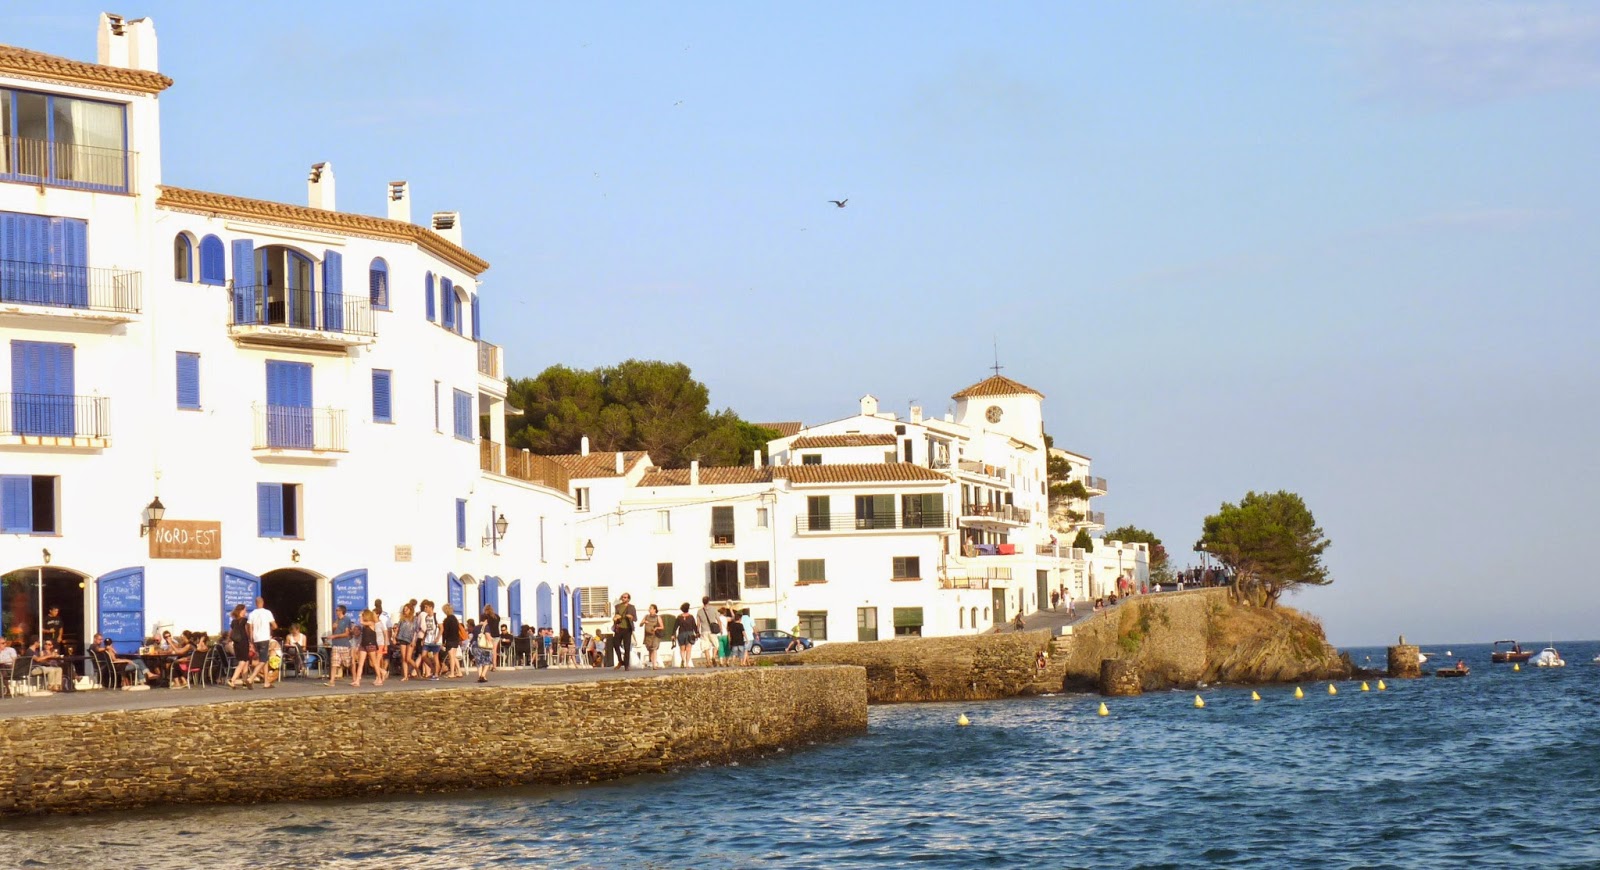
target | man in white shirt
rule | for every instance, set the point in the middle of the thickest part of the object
(261, 628)
(8, 658)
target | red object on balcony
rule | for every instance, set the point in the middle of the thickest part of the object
(1007, 549)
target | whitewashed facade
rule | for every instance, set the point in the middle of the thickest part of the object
(299, 387)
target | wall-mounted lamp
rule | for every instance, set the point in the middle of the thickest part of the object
(47, 555)
(294, 555)
(588, 549)
(497, 529)
(153, 512)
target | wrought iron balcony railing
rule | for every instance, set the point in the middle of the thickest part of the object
(66, 164)
(53, 286)
(57, 416)
(281, 427)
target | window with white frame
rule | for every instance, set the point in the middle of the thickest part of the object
(594, 601)
(663, 521)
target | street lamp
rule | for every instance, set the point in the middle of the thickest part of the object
(588, 549)
(497, 529)
(153, 512)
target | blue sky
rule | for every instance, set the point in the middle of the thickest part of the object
(1342, 249)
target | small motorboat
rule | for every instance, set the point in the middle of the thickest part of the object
(1460, 670)
(1512, 653)
(1549, 658)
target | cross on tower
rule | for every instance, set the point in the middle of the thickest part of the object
(997, 366)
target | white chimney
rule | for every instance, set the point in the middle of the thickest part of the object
(694, 472)
(620, 465)
(448, 224)
(583, 446)
(400, 201)
(869, 406)
(142, 44)
(319, 186)
(916, 413)
(112, 41)
(756, 458)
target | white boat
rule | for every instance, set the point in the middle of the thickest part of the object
(1549, 658)
(1422, 658)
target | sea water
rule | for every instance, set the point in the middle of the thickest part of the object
(1497, 769)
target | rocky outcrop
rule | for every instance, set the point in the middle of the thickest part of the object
(966, 668)
(1179, 640)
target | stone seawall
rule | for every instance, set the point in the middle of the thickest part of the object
(268, 749)
(962, 668)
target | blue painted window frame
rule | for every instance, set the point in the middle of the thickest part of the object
(463, 415)
(278, 510)
(461, 523)
(188, 365)
(382, 396)
(427, 286)
(51, 175)
(213, 262)
(378, 284)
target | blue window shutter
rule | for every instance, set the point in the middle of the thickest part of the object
(463, 415)
(436, 406)
(42, 388)
(188, 380)
(447, 303)
(213, 262)
(16, 504)
(461, 522)
(269, 510)
(378, 283)
(32, 233)
(333, 291)
(68, 253)
(382, 401)
(476, 331)
(427, 285)
(244, 281)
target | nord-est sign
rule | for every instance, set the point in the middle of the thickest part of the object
(186, 539)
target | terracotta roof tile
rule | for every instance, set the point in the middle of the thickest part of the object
(785, 429)
(865, 472)
(206, 203)
(997, 385)
(856, 440)
(720, 475)
(596, 464)
(22, 61)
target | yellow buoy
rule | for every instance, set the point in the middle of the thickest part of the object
(1365, 687)
(1103, 710)
(963, 720)
(1298, 693)
(1199, 702)
(1516, 667)
(1381, 686)
(1255, 696)
(1332, 690)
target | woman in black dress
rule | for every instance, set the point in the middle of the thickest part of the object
(239, 635)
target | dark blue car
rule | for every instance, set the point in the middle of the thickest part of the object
(774, 641)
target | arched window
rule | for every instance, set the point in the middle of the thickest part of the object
(447, 304)
(182, 258)
(213, 262)
(461, 306)
(428, 287)
(961, 617)
(974, 617)
(378, 283)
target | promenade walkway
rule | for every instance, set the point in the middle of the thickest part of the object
(102, 700)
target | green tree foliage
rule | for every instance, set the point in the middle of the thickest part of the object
(645, 405)
(1272, 544)
(1063, 491)
(1083, 541)
(1160, 571)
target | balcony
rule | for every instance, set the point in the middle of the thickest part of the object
(835, 524)
(490, 458)
(38, 420)
(298, 433)
(489, 360)
(995, 514)
(77, 293)
(1094, 518)
(1095, 485)
(1060, 552)
(300, 318)
(525, 466)
(67, 164)
(992, 473)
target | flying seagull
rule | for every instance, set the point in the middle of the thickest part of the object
(839, 202)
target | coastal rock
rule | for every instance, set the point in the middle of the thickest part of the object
(1120, 677)
(1405, 661)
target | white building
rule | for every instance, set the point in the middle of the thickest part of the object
(300, 432)
(863, 528)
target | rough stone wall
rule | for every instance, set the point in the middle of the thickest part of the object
(269, 749)
(965, 668)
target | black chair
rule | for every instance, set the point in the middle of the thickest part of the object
(106, 673)
(22, 672)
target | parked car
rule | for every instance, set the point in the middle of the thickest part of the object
(774, 641)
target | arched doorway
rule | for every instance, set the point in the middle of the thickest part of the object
(28, 596)
(294, 597)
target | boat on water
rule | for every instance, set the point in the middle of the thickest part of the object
(1460, 670)
(1549, 658)
(1512, 653)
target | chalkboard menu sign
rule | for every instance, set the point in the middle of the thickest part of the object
(186, 539)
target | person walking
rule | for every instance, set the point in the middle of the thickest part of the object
(428, 632)
(480, 641)
(708, 625)
(749, 635)
(370, 651)
(450, 636)
(239, 636)
(622, 631)
(687, 632)
(262, 626)
(343, 637)
(651, 626)
(736, 643)
(405, 637)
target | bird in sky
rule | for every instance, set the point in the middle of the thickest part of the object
(839, 202)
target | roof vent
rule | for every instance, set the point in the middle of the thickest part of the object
(400, 201)
(448, 224)
(319, 186)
